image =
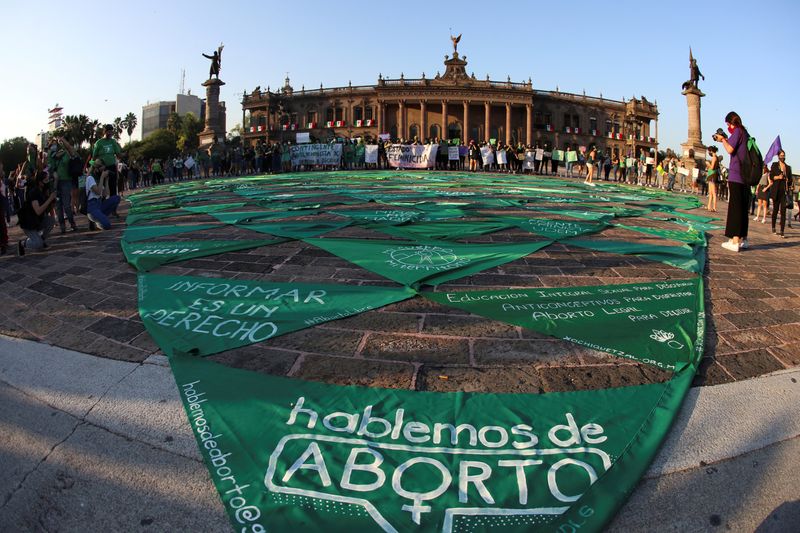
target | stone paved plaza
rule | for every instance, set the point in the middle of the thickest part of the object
(81, 294)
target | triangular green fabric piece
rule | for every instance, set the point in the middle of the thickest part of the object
(310, 456)
(573, 213)
(386, 216)
(149, 208)
(144, 217)
(148, 255)
(556, 229)
(428, 262)
(685, 257)
(445, 229)
(255, 217)
(655, 323)
(142, 233)
(202, 316)
(297, 230)
(689, 235)
(211, 208)
(687, 216)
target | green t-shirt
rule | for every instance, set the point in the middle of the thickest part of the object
(106, 149)
(156, 167)
(62, 166)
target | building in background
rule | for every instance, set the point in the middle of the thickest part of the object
(156, 115)
(453, 105)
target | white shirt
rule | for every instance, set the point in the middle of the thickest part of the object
(90, 194)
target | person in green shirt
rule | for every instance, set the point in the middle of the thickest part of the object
(60, 161)
(107, 149)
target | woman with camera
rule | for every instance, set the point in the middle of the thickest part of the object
(780, 178)
(737, 222)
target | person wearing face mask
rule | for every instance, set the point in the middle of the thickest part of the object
(737, 223)
(780, 178)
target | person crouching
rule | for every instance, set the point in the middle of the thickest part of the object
(98, 202)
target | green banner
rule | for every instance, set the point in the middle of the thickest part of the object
(289, 456)
(691, 258)
(556, 229)
(211, 208)
(428, 262)
(145, 217)
(142, 233)
(654, 323)
(386, 216)
(146, 256)
(149, 208)
(254, 217)
(202, 316)
(446, 229)
(573, 213)
(689, 236)
(298, 230)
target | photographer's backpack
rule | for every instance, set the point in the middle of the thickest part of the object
(752, 163)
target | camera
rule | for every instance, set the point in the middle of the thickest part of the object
(719, 135)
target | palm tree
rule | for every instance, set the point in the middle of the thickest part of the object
(129, 123)
(118, 127)
(94, 131)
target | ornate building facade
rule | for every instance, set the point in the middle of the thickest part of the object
(453, 105)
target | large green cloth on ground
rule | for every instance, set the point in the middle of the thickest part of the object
(443, 229)
(385, 216)
(653, 323)
(202, 316)
(556, 229)
(142, 233)
(299, 229)
(211, 208)
(425, 262)
(255, 217)
(691, 258)
(146, 256)
(288, 455)
(689, 235)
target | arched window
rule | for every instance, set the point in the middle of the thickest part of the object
(454, 130)
(435, 131)
(393, 132)
(413, 132)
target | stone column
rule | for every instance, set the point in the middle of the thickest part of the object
(508, 123)
(444, 119)
(382, 118)
(423, 119)
(528, 124)
(213, 131)
(465, 124)
(694, 149)
(487, 110)
(401, 122)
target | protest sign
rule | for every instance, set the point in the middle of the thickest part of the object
(412, 155)
(316, 154)
(371, 154)
(452, 153)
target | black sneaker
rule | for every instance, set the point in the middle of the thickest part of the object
(20, 248)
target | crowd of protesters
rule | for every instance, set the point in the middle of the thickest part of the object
(56, 184)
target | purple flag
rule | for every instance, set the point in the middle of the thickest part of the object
(773, 150)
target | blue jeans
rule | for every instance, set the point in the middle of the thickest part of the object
(98, 211)
(35, 240)
(64, 204)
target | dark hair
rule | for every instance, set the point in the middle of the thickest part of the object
(734, 119)
(712, 149)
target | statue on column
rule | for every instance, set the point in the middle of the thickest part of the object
(694, 73)
(216, 62)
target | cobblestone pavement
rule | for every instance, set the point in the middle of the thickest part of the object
(81, 294)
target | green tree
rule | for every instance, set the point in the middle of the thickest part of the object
(158, 145)
(13, 152)
(94, 130)
(174, 123)
(190, 129)
(129, 123)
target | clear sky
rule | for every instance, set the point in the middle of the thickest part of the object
(105, 59)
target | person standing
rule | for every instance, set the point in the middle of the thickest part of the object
(61, 159)
(737, 223)
(713, 178)
(591, 159)
(780, 177)
(762, 194)
(107, 149)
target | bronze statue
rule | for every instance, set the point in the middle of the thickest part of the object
(216, 62)
(694, 73)
(455, 43)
